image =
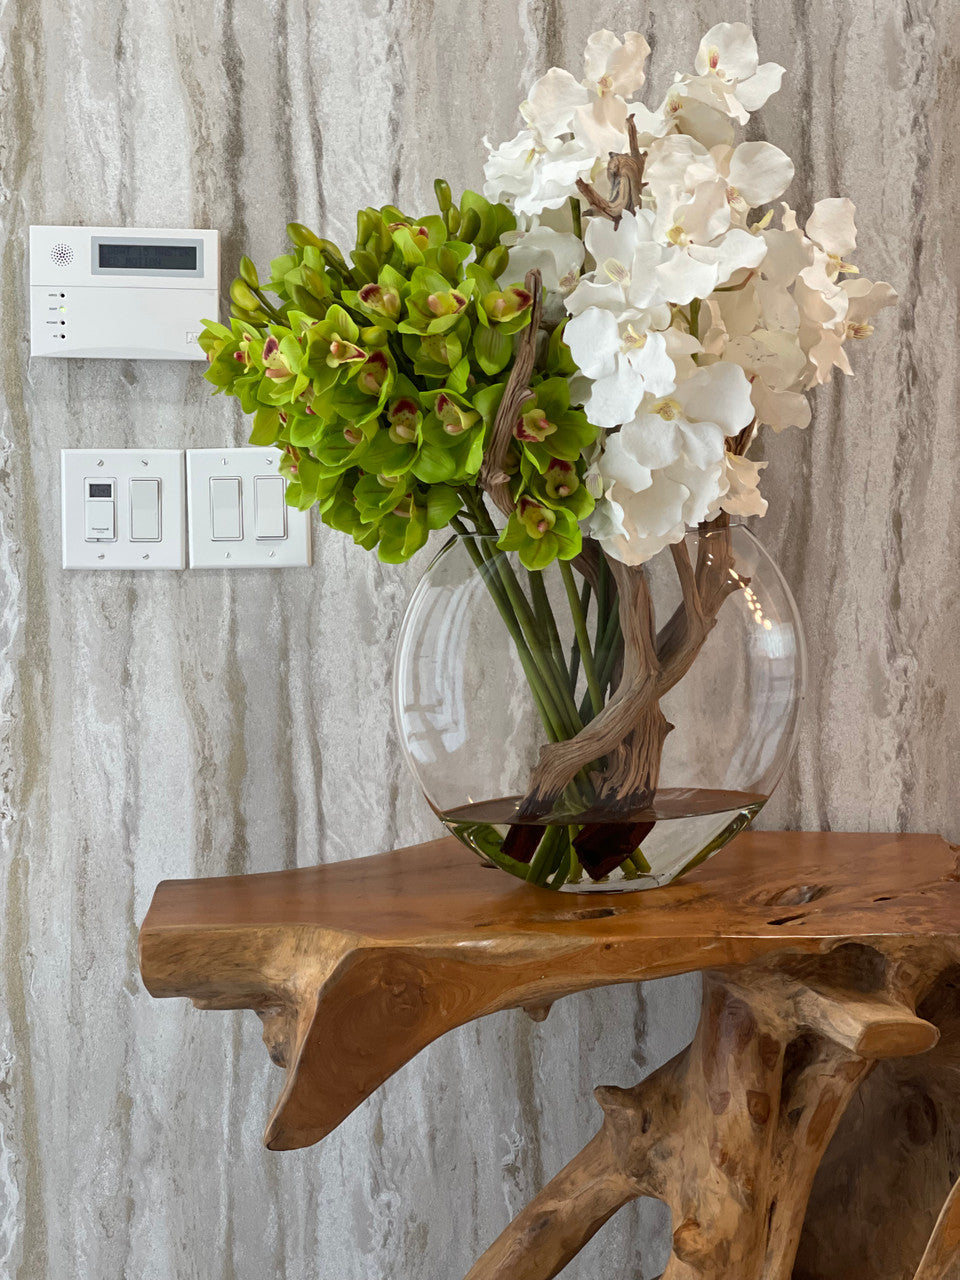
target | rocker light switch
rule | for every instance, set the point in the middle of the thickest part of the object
(237, 512)
(123, 509)
(144, 510)
(269, 507)
(226, 521)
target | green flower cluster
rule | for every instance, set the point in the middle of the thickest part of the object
(381, 378)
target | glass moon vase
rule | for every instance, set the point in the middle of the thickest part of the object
(588, 727)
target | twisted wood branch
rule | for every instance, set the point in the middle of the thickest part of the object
(631, 728)
(729, 1133)
(493, 475)
(625, 174)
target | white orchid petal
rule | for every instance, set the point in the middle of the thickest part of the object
(729, 51)
(743, 496)
(717, 393)
(866, 298)
(649, 440)
(831, 225)
(683, 278)
(594, 341)
(738, 251)
(627, 461)
(626, 68)
(653, 362)
(601, 47)
(555, 254)
(755, 91)
(589, 293)
(779, 409)
(703, 443)
(614, 398)
(760, 172)
(552, 102)
(650, 124)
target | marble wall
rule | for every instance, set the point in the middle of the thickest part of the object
(172, 725)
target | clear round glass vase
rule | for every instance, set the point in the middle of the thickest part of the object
(590, 727)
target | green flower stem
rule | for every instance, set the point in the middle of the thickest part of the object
(555, 680)
(545, 707)
(545, 860)
(544, 616)
(269, 308)
(583, 638)
(585, 594)
(563, 869)
(575, 214)
(695, 318)
(609, 645)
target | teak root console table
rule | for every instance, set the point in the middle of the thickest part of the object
(831, 971)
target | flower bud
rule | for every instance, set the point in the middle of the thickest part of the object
(442, 190)
(366, 226)
(248, 273)
(243, 296)
(495, 260)
(302, 236)
(469, 226)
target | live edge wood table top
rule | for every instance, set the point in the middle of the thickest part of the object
(354, 967)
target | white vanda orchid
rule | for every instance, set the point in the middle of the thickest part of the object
(703, 250)
(593, 109)
(623, 361)
(557, 255)
(666, 469)
(730, 84)
(728, 55)
(531, 174)
(624, 279)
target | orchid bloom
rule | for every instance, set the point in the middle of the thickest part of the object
(622, 362)
(666, 469)
(557, 255)
(594, 109)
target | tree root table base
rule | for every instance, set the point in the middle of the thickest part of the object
(812, 1128)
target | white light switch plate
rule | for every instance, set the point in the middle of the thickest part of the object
(237, 516)
(122, 509)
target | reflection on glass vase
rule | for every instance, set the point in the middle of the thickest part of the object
(593, 726)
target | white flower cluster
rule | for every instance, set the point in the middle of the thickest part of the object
(691, 321)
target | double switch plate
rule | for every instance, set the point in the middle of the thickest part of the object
(140, 509)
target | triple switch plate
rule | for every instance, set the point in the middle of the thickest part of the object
(139, 509)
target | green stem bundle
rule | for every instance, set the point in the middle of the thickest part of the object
(552, 677)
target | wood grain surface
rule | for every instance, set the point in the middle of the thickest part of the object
(824, 955)
(357, 967)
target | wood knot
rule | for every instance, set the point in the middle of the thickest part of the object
(689, 1243)
(758, 1105)
(794, 895)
